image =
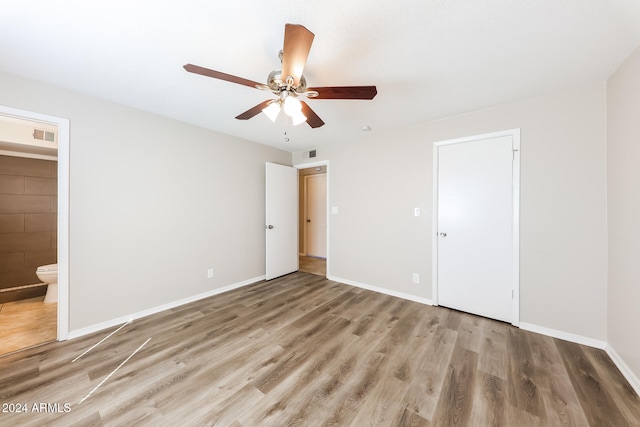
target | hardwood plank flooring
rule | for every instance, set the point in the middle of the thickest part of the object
(302, 350)
(313, 265)
(26, 323)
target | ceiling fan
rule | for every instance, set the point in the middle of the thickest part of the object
(289, 83)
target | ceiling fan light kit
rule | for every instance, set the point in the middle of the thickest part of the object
(272, 110)
(298, 118)
(297, 44)
(291, 106)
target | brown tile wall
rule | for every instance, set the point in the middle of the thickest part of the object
(28, 219)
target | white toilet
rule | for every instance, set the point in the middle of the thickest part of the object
(49, 274)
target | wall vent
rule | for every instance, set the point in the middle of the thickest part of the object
(312, 154)
(44, 135)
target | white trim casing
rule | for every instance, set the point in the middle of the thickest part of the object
(515, 139)
(328, 207)
(63, 208)
(516, 227)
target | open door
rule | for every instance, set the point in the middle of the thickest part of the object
(281, 217)
(316, 215)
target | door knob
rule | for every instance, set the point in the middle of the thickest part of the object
(269, 226)
(443, 234)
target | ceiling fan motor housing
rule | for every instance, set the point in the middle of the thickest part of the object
(277, 84)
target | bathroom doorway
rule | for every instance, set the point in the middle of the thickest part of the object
(313, 220)
(33, 224)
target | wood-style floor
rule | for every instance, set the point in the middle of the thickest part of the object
(313, 265)
(25, 323)
(305, 351)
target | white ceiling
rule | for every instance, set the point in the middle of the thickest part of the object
(429, 58)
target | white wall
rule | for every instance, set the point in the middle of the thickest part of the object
(623, 152)
(377, 181)
(153, 204)
(170, 207)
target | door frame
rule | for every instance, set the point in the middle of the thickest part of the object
(63, 208)
(327, 177)
(515, 278)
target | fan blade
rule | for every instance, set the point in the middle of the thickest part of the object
(218, 75)
(297, 43)
(312, 118)
(345, 92)
(254, 111)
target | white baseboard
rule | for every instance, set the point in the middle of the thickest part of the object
(634, 381)
(409, 297)
(578, 339)
(624, 368)
(603, 345)
(120, 320)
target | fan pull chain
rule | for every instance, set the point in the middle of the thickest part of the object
(284, 126)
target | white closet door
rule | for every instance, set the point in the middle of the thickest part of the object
(475, 227)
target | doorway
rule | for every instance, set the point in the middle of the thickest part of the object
(476, 225)
(312, 219)
(20, 148)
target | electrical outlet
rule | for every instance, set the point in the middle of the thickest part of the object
(210, 273)
(416, 278)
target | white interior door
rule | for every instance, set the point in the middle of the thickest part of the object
(281, 217)
(316, 212)
(475, 226)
